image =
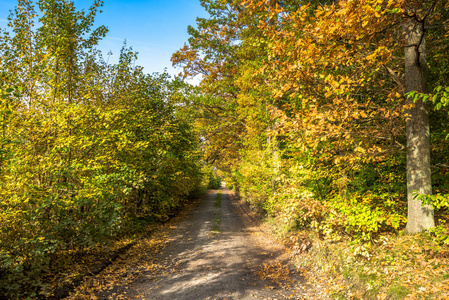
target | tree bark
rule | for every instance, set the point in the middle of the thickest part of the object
(419, 216)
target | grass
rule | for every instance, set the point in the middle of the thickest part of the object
(218, 200)
(397, 291)
(217, 215)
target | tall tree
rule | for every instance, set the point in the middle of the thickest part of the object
(420, 216)
(213, 54)
(329, 56)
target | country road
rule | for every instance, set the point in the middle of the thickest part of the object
(213, 255)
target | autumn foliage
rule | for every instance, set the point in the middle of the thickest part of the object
(87, 149)
(312, 106)
(310, 109)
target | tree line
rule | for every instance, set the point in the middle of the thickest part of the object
(332, 115)
(88, 149)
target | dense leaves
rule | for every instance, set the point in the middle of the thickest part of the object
(317, 94)
(87, 148)
(313, 98)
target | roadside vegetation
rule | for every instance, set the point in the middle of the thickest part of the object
(92, 155)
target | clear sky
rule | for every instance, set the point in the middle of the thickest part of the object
(154, 28)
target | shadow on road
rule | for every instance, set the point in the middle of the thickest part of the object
(212, 255)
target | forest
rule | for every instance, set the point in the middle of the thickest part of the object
(329, 117)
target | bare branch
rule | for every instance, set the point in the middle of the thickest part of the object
(395, 78)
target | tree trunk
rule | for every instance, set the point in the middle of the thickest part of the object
(417, 129)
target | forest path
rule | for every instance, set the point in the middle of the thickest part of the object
(213, 254)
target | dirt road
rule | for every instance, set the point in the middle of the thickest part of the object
(213, 255)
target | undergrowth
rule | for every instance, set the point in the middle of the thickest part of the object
(70, 267)
(394, 267)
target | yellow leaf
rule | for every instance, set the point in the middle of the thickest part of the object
(371, 56)
(360, 149)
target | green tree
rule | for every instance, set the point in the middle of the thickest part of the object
(86, 148)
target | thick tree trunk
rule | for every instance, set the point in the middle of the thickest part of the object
(418, 133)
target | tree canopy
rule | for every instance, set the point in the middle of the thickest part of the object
(316, 96)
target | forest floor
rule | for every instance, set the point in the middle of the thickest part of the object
(214, 250)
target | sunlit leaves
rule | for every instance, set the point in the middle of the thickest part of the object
(85, 147)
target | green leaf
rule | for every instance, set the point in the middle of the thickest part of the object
(434, 98)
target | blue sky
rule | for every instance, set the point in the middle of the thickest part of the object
(154, 28)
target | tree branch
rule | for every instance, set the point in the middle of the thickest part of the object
(395, 78)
